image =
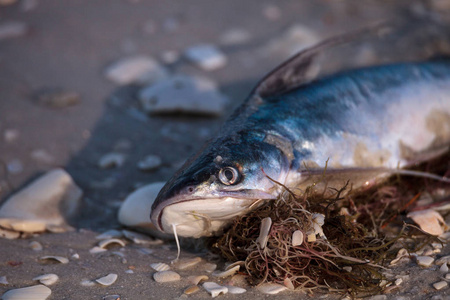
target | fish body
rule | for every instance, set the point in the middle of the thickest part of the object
(358, 124)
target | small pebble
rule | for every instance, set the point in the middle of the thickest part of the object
(129, 271)
(447, 276)
(440, 285)
(3, 280)
(166, 276)
(398, 281)
(111, 160)
(76, 256)
(12, 29)
(35, 292)
(444, 268)
(191, 290)
(297, 238)
(209, 267)
(424, 261)
(87, 282)
(214, 289)
(107, 280)
(150, 163)
(207, 57)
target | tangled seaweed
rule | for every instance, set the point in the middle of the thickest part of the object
(361, 234)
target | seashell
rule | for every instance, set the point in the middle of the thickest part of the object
(429, 221)
(209, 267)
(229, 272)
(440, 285)
(297, 238)
(271, 288)
(9, 234)
(398, 281)
(105, 243)
(3, 280)
(237, 263)
(347, 268)
(96, 250)
(184, 264)
(312, 237)
(35, 292)
(400, 254)
(60, 259)
(138, 238)
(424, 261)
(192, 289)
(264, 230)
(447, 276)
(166, 276)
(87, 282)
(76, 256)
(160, 267)
(109, 234)
(214, 289)
(129, 271)
(288, 283)
(235, 289)
(318, 220)
(107, 280)
(111, 160)
(111, 297)
(443, 260)
(47, 279)
(36, 246)
(444, 268)
(196, 279)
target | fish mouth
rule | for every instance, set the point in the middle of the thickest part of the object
(202, 216)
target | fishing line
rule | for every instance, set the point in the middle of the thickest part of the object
(174, 227)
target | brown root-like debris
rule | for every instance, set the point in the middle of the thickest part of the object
(361, 234)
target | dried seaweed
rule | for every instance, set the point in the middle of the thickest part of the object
(362, 233)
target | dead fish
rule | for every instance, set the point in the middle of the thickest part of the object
(361, 125)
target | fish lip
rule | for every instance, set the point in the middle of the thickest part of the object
(156, 214)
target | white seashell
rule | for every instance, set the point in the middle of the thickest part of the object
(3, 280)
(440, 285)
(39, 204)
(107, 280)
(105, 243)
(209, 267)
(60, 259)
(129, 271)
(443, 260)
(47, 279)
(160, 267)
(96, 250)
(297, 238)
(76, 256)
(36, 246)
(229, 272)
(288, 283)
(318, 221)
(136, 207)
(35, 292)
(398, 281)
(429, 221)
(196, 279)
(87, 282)
(184, 264)
(214, 289)
(264, 230)
(444, 268)
(166, 276)
(271, 288)
(109, 234)
(138, 238)
(424, 261)
(235, 289)
(9, 234)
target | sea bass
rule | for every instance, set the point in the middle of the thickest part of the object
(360, 125)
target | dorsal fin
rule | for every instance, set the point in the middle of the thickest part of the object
(293, 72)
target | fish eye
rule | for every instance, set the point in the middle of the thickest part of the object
(229, 175)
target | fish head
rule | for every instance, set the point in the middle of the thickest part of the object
(226, 180)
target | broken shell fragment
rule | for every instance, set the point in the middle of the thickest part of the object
(196, 279)
(297, 238)
(105, 243)
(235, 289)
(264, 230)
(226, 273)
(139, 238)
(35, 292)
(47, 279)
(429, 221)
(444, 268)
(160, 267)
(96, 250)
(187, 263)
(110, 234)
(60, 259)
(424, 261)
(87, 282)
(107, 280)
(209, 267)
(192, 289)
(36, 246)
(214, 289)
(271, 288)
(166, 276)
(440, 285)
(288, 283)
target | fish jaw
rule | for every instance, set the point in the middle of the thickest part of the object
(197, 217)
